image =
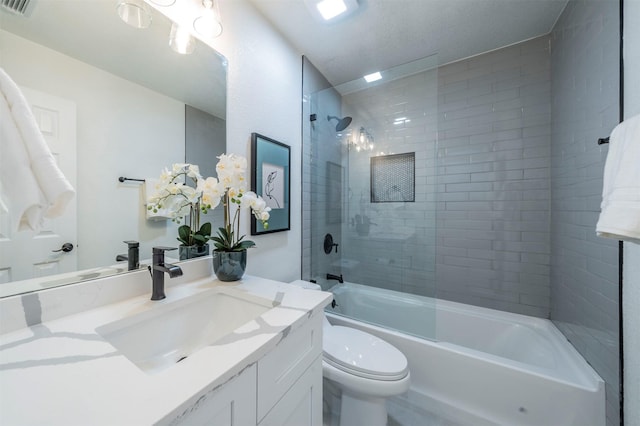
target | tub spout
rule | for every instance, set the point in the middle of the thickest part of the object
(335, 277)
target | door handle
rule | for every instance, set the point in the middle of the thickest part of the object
(66, 247)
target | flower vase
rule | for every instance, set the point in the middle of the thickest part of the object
(190, 252)
(229, 265)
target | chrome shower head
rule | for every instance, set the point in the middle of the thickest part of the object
(343, 123)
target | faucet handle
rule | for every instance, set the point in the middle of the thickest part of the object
(162, 249)
(132, 244)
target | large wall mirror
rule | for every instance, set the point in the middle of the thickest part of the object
(123, 104)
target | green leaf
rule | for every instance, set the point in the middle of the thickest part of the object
(199, 240)
(205, 229)
(243, 245)
(184, 235)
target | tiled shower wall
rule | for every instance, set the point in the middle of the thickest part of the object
(490, 187)
(584, 267)
(397, 250)
(493, 179)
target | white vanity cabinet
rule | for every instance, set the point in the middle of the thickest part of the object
(302, 404)
(283, 388)
(232, 404)
(290, 379)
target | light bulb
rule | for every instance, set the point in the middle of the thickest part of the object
(181, 40)
(208, 24)
(135, 13)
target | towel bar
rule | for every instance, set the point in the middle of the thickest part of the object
(123, 179)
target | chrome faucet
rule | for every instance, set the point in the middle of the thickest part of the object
(158, 270)
(335, 277)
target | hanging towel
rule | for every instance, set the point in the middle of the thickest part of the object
(620, 208)
(150, 189)
(31, 180)
(21, 193)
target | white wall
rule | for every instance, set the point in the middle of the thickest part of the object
(631, 285)
(264, 95)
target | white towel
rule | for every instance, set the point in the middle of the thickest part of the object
(150, 185)
(24, 199)
(620, 208)
(33, 185)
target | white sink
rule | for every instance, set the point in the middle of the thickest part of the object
(161, 337)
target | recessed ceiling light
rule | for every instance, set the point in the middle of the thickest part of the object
(370, 78)
(329, 9)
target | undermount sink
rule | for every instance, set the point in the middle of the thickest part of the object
(167, 334)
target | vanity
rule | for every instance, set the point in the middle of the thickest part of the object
(100, 352)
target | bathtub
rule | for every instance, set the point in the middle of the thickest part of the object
(504, 368)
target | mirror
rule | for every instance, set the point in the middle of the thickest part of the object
(132, 105)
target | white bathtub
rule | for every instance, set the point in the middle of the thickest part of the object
(506, 368)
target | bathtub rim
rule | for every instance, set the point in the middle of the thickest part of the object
(582, 374)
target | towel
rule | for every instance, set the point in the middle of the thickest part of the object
(150, 185)
(620, 208)
(21, 193)
(33, 184)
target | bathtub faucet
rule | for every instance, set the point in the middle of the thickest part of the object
(335, 277)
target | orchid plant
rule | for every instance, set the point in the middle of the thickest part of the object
(229, 189)
(231, 184)
(179, 200)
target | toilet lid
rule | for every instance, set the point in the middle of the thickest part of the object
(363, 354)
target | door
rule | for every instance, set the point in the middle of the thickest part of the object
(30, 254)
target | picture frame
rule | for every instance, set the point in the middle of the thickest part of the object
(271, 179)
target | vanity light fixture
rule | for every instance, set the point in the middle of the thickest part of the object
(331, 10)
(363, 141)
(370, 78)
(163, 3)
(181, 40)
(208, 24)
(135, 13)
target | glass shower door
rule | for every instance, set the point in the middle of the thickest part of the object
(371, 186)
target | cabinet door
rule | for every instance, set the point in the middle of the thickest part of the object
(233, 404)
(302, 404)
(283, 366)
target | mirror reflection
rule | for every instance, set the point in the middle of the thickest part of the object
(112, 101)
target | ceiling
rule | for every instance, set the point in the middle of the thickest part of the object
(383, 34)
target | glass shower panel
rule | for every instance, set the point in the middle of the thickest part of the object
(372, 186)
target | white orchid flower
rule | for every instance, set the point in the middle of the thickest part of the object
(211, 192)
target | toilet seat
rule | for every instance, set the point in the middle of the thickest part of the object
(363, 354)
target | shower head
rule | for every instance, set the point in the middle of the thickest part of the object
(343, 123)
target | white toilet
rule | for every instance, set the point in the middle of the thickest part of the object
(365, 368)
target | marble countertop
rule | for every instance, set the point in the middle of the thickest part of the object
(63, 372)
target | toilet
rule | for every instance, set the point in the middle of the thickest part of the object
(366, 369)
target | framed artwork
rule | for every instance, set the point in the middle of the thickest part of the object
(271, 179)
